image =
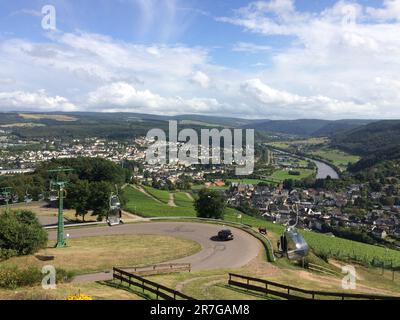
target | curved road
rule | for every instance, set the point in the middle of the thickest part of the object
(213, 255)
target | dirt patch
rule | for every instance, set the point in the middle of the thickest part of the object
(171, 201)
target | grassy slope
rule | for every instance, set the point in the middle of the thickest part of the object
(319, 242)
(102, 253)
(161, 195)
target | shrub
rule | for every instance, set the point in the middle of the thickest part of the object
(13, 277)
(6, 254)
(21, 232)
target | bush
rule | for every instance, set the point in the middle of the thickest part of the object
(13, 277)
(21, 233)
(6, 254)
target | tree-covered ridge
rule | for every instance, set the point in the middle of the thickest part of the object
(376, 142)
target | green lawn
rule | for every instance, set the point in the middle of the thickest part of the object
(337, 157)
(162, 195)
(142, 204)
(182, 200)
(281, 175)
(247, 181)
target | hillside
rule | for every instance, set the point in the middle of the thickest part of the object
(375, 142)
(308, 127)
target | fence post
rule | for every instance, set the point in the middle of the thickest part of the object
(143, 285)
(158, 289)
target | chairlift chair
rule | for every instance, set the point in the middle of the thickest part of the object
(15, 199)
(28, 197)
(114, 212)
(53, 194)
(293, 243)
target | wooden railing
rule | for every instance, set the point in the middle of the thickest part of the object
(293, 293)
(146, 285)
(158, 268)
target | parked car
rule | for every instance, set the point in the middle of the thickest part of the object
(225, 235)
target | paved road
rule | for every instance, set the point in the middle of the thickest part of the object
(213, 255)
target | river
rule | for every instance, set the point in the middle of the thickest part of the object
(324, 170)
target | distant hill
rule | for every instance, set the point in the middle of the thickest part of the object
(308, 127)
(375, 142)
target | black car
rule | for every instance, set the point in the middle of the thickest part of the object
(225, 235)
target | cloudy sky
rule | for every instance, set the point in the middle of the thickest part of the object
(276, 59)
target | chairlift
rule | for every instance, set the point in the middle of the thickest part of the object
(15, 198)
(53, 193)
(28, 198)
(292, 243)
(114, 214)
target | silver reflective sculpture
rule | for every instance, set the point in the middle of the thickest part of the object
(293, 243)
(114, 211)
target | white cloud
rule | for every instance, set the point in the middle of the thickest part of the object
(201, 78)
(251, 47)
(283, 102)
(335, 54)
(123, 96)
(390, 11)
(39, 100)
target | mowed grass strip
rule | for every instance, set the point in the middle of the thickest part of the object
(182, 200)
(282, 175)
(101, 253)
(162, 195)
(142, 204)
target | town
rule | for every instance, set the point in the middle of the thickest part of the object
(267, 194)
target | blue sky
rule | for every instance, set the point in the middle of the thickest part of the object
(264, 59)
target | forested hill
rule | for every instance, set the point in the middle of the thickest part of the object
(375, 142)
(308, 127)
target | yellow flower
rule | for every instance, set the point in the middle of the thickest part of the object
(79, 296)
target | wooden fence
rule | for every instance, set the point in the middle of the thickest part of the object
(293, 293)
(158, 268)
(146, 285)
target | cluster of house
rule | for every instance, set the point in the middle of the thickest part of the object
(317, 209)
(57, 149)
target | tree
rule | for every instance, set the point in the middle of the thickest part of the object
(80, 195)
(21, 232)
(288, 184)
(210, 204)
(100, 198)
